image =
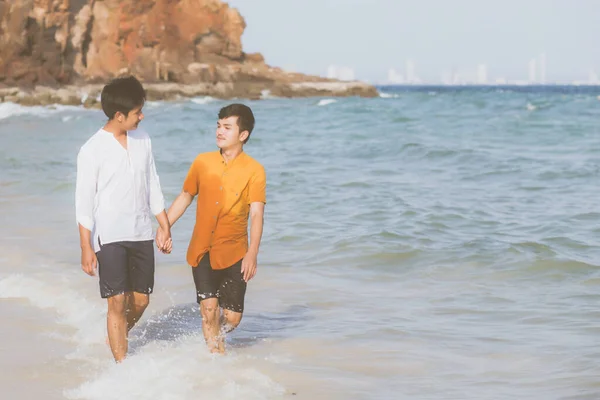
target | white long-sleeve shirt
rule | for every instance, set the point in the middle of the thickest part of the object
(117, 189)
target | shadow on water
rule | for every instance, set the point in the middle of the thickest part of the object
(184, 320)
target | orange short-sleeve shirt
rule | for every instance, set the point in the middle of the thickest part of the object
(224, 193)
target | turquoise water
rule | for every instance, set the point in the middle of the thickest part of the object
(431, 244)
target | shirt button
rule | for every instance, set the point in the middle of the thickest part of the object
(221, 188)
(217, 202)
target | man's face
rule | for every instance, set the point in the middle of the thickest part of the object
(133, 119)
(228, 133)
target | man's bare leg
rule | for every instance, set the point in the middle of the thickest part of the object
(230, 321)
(136, 305)
(209, 309)
(116, 324)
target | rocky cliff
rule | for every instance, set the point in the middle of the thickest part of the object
(177, 47)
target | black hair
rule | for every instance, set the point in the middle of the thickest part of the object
(122, 95)
(245, 117)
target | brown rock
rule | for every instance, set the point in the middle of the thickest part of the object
(254, 58)
(91, 102)
(193, 42)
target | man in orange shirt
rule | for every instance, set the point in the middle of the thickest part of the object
(230, 186)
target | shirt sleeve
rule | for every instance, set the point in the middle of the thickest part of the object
(85, 189)
(258, 187)
(190, 185)
(156, 198)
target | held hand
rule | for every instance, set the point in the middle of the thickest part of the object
(89, 262)
(249, 266)
(168, 245)
(159, 238)
(164, 241)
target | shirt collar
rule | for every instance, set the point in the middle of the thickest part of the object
(240, 156)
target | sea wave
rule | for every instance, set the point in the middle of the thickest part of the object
(178, 370)
(324, 102)
(8, 110)
(202, 100)
(46, 292)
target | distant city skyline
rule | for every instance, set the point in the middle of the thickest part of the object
(534, 73)
(368, 39)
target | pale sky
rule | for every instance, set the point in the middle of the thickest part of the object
(372, 36)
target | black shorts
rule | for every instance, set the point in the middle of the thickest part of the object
(226, 284)
(126, 267)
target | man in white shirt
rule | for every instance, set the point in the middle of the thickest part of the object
(117, 189)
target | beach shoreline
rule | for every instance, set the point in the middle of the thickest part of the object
(88, 95)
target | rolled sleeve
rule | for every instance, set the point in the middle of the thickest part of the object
(258, 187)
(85, 189)
(156, 198)
(190, 185)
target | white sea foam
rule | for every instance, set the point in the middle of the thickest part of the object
(266, 94)
(325, 102)
(178, 370)
(161, 364)
(47, 292)
(8, 110)
(384, 95)
(531, 107)
(202, 100)
(153, 104)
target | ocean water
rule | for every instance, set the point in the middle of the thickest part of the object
(432, 243)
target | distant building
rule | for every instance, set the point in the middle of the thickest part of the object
(482, 75)
(340, 73)
(394, 77)
(532, 71)
(411, 73)
(456, 78)
(543, 68)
